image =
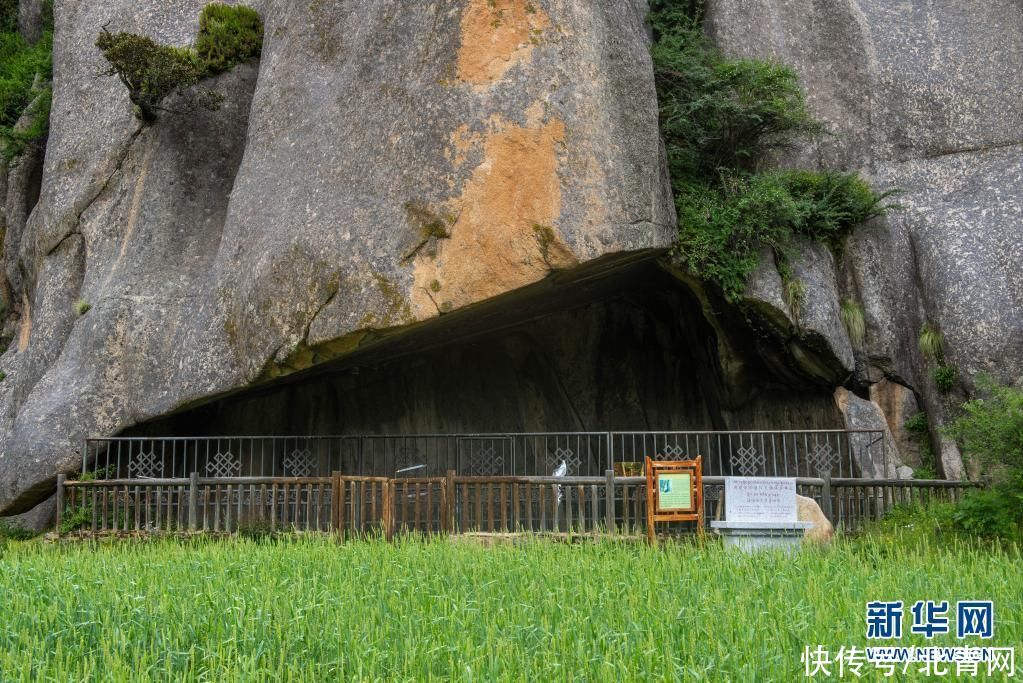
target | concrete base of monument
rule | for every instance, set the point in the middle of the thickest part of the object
(753, 536)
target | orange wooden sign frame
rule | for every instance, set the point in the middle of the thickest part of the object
(694, 513)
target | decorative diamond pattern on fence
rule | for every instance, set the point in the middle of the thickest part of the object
(299, 463)
(784, 453)
(566, 455)
(823, 458)
(224, 465)
(144, 466)
(673, 452)
(748, 461)
(486, 462)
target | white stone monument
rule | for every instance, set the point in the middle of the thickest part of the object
(760, 513)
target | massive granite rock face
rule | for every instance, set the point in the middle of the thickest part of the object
(388, 162)
(923, 97)
(384, 163)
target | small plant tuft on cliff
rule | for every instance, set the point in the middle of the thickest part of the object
(854, 321)
(917, 423)
(721, 119)
(931, 344)
(228, 35)
(794, 291)
(82, 307)
(944, 377)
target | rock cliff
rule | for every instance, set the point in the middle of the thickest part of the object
(388, 164)
(923, 97)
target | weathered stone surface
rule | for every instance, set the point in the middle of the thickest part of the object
(807, 510)
(963, 217)
(482, 146)
(879, 459)
(818, 307)
(40, 518)
(20, 192)
(384, 163)
(898, 404)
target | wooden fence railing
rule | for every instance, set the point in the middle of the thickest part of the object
(448, 505)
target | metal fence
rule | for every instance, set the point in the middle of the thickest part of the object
(810, 453)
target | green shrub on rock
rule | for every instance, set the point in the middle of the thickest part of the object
(228, 36)
(917, 423)
(150, 71)
(990, 428)
(724, 226)
(719, 113)
(990, 431)
(945, 378)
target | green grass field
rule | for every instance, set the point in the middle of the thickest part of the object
(316, 610)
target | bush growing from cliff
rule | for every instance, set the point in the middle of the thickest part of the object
(718, 113)
(25, 73)
(945, 377)
(228, 36)
(724, 226)
(151, 72)
(720, 119)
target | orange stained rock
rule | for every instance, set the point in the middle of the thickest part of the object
(496, 35)
(505, 235)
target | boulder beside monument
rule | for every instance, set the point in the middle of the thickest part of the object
(807, 510)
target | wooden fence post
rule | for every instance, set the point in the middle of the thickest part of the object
(388, 520)
(826, 497)
(60, 501)
(335, 502)
(609, 501)
(448, 493)
(193, 501)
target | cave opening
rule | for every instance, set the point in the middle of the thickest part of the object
(609, 347)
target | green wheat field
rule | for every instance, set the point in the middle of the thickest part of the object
(313, 609)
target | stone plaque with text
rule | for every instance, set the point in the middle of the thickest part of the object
(760, 499)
